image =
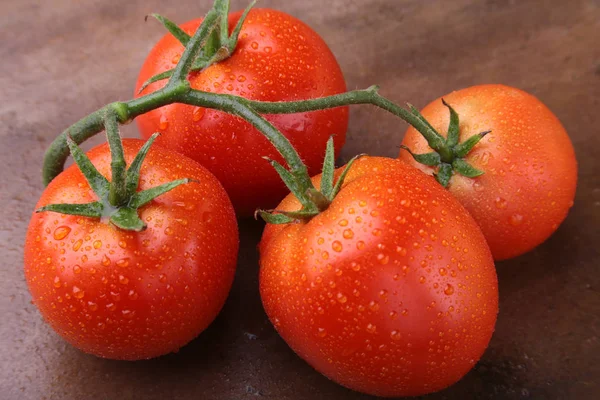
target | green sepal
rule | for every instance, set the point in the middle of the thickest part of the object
(317, 199)
(96, 180)
(233, 39)
(453, 131)
(462, 149)
(275, 219)
(127, 218)
(156, 78)
(328, 170)
(133, 173)
(342, 178)
(290, 182)
(173, 28)
(466, 169)
(93, 209)
(430, 159)
(218, 46)
(146, 196)
(444, 174)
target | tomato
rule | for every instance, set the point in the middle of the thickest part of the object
(278, 58)
(391, 291)
(134, 295)
(529, 165)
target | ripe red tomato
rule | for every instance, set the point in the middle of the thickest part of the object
(134, 295)
(278, 58)
(391, 291)
(529, 164)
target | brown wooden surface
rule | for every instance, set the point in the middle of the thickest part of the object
(61, 59)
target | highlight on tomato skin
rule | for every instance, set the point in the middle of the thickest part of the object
(528, 160)
(391, 291)
(277, 58)
(134, 295)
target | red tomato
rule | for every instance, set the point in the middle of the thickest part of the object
(278, 58)
(391, 291)
(529, 164)
(134, 295)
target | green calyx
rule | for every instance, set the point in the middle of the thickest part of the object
(448, 154)
(118, 200)
(218, 46)
(313, 200)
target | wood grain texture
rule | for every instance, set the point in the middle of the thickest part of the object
(61, 59)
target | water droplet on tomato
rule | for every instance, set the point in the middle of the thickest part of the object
(163, 122)
(123, 280)
(516, 219)
(371, 328)
(254, 45)
(383, 258)
(500, 203)
(176, 58)
(348, 234)
(321, 332)
(355, 266)
(449, 290)
(341, 298)
(78, 293)
(61, 232)
(77, 245)
(337, 246)
(123, 263)
(198, 113)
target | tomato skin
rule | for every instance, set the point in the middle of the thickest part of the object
(528, 159)
(134, 295)
(391, 291)
(278, 58)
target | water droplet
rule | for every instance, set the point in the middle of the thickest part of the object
(129, 314)
(500, 203)
(383, 258)
(111, 307)
(77, 245)
(343, 222)
(122, 244)
(123, 280)
(348, 234)
(374, 306)
(449, 290)
(337, 246)
(443, 271)
(478, 186)
(175, 58)
(422, 279)
(78, 293)
(124, 262)
(360, 245)
(76, 269)
(268, 49)
(254, 45)
(57, 282)
(168, 231)
(97, 244)
(516, 219)
(162, 278)
(61, 232)
(325, 255)
(105, 260)
(198, 113)
(355, 266)
(395, 335)
(393, 314)
(341, 298)
(163, 122)
(371, 328)
(376, 232)
(321, 332)
(132, 295)
(92, 306)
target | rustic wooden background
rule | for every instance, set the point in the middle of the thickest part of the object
(61, 59)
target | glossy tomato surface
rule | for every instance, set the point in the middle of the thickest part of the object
(278, 58)
(391, 291)
(134, 295)
(528, 159)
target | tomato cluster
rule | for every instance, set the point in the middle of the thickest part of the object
(381, 279)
